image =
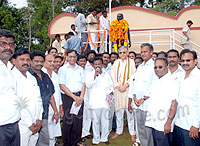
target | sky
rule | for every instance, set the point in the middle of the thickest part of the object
(19, 3)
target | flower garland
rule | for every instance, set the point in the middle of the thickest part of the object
(118, 32)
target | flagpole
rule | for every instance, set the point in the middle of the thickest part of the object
(110, 43)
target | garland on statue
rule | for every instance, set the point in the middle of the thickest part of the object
(118, 32)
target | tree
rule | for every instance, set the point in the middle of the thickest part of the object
(13, 20)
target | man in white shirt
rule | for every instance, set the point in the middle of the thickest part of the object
(90, 56)
(188, 115)
(103, 25)
(73, 29)
(81, 24)
(92, 21)
(100, 85)
(72, 85)
(57, 43)
(175, 69)
(9, 107)
(186, 32)
(162, 104)
(121, 72)
(141, 93)
(31, 101)
(53, 126)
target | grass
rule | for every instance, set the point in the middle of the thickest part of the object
(122, 140)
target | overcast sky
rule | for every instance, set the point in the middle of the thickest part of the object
(19, 3)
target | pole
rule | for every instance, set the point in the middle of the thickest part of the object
(110, 43)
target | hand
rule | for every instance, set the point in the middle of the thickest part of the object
(188, 38)
(140, 102)
(56, 117)
(129, 44)
(61, 111)
(38, 124)
(33, 128)
(167, 127)
(122, 88)
(194, 132)
(78, 101)
(136, 101)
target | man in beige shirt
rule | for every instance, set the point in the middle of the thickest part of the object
(186, 32)
(93, 22)
(121, 72)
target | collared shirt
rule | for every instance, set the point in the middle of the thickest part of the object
(74, 32)
(46, 90)
(99, 89)
(57, 45)
(30, 100)
(107, 69)
(91, 18)
(74, 43)
(72, 78)
(80, 23)
(103, 23)
(143, 81)
(178, 74)
(9, 105)
(164, 91)
(188, 113)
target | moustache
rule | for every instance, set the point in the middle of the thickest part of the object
(185, 65)
(7, 50)
(172, 61)
(25, 65)
(39, 66)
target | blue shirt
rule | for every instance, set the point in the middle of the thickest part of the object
(46, 90)
(74, 43)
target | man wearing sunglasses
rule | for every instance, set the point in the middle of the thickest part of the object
(162, 107)
(188, 120)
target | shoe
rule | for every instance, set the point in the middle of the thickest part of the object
(133, 138)
(107, 142)
(136, 144)
(115, 135)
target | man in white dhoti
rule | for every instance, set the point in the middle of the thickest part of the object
(121, 72)
(53, 126)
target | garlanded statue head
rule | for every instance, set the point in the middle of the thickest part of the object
(120, 16)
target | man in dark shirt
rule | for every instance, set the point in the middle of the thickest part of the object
(47, 91)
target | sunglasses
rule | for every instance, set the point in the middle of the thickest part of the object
(156, 67)
(186, 60)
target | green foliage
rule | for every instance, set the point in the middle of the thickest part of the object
(168, 7)
(12, 19)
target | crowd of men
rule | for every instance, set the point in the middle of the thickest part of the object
(160, 95)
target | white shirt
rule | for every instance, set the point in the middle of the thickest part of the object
(30, 100)
(9, 105)
(104, 23)
(178, 74)
(143, 81)
(57, 45)
(88, 67)
(187, 30)
(72, 78)
(80, 23)
(55, 129)
(99, 89)
(188, 113)
(107, 69)
(164, 90)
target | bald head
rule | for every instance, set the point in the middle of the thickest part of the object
(49, 62)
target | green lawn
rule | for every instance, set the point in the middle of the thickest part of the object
(122, 140)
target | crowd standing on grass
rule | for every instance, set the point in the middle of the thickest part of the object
(72, 92)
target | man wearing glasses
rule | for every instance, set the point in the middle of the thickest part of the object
(121, 72)
(188, 119)
(162, 107)
(9, 107)
(72, 85)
